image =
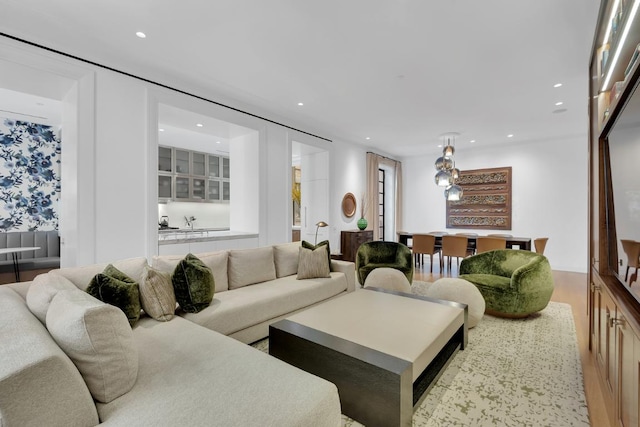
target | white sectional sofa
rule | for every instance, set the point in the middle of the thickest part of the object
(189, 369)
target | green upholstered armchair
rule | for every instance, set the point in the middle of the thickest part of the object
(372, 255)
(513, 283)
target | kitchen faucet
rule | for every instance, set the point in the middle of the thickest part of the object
(190, 221)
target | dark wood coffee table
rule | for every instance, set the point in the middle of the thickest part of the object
(382, 349)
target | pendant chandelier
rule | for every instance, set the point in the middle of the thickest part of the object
(448, 174)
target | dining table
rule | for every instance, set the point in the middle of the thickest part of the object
(523, 243)
(14, 256)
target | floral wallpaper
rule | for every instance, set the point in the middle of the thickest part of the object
(29, 176)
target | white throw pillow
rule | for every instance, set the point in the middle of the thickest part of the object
(249, 266)
(98, 339)
(216, 261)
(286, 259)
(42, 290)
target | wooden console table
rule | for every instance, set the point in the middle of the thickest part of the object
(350, 241)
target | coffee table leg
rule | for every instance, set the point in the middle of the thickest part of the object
(375, 389)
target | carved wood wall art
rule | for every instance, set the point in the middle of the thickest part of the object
(486, 200)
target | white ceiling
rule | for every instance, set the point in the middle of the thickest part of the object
(400, 72)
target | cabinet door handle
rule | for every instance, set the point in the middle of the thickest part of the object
(615, 322)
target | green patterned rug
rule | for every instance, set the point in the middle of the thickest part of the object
(523, 372)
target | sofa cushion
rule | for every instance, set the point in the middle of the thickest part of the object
(313, 264)
(191, 376)
(285, 257)
(193, 284)
(308, 245)
(216, 261)
(230, 312)
(250, 266)
(81, 276)
(98, 338)
(116, 288)
(39, 384)
(157, 297)
(42, 291)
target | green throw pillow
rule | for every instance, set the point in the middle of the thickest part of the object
(193, 284)
(308, 245)
(114, 287)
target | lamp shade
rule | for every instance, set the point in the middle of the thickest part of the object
(453, 193)
(443, 178)
(455, 173)
(448, 150)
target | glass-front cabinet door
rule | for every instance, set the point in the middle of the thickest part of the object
(226, 191)
(164, 159)
(214, 166)
(182, 188)
(214, 190)
(182, 162)
(164, 186)
(226, 166)
(199, 164)
(198, 189)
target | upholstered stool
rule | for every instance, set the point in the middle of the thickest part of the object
(459, 290)
(389, 279)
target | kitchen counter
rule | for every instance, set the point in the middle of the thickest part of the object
(187, 235)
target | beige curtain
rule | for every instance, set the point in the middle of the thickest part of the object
(374, 161)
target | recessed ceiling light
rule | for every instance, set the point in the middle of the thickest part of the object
(368, 138)
(161, 130)
(472, 141)
(141, 34)
(439, 145)
(557, 85)
(300, 104)
(510, 135)
(559, 103)
(217, 142)
(199, 125)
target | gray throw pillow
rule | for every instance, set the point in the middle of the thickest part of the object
(313, 264)
(193, 284)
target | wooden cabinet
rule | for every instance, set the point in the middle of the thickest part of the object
(614, 311)
(191, 176)
(350, 241)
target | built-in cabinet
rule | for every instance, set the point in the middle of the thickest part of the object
(614, 313)
(192, 176)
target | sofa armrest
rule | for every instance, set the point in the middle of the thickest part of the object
(533, 276)
(349, 270)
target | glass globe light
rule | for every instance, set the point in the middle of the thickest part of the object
(455, 173)
(439, 163)
(443, 178)
(448, 150)
(453, 193)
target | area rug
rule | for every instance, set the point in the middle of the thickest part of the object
(523, 372)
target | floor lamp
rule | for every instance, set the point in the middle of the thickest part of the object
(318, 225)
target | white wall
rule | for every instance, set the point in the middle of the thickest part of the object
(549, 195)
(208, 215)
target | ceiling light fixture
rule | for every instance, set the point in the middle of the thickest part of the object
(199, 125)
(557, 85)
(217, 142)
(447, 172)
(367, 138)
(161, 130)
(300, 104)
(141, 35)
(472, 141)
(510, 135)
(559, 103)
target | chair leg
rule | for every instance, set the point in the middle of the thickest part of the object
(431, 262)
(626, 274)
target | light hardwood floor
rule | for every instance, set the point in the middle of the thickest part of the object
(570, 288)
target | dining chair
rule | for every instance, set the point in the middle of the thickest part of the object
(632, 249)
(453, 246)
(486, 244)
(424, 244)
(471, 244)
(540, 243)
